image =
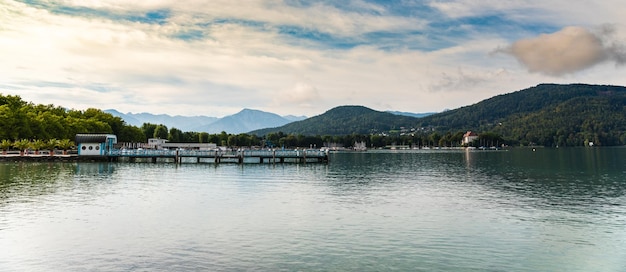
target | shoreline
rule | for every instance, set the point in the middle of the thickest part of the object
(48, 158)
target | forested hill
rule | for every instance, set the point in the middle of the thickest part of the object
(24, 120)
(517, 103)
(548, 114)
(345, 120)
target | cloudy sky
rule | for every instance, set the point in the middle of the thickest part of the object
(216, 57)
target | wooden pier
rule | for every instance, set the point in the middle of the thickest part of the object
(218, 156)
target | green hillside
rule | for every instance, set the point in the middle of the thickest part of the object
(521, 102)
(575, 122)
(548, 114)
(345, 120)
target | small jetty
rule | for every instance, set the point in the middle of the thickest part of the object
(218, 156)
(106, 147)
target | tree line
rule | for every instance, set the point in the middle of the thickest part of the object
(25, 125)
(283, 140)
(576, 121)
(23, 120)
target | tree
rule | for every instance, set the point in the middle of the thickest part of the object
(442, 142)
(175, 135)
(231, 140)
(14, 121)
(160, 132)
(148, 130)
(65, 144)
(490, 139)
(434, 138)
(203, 137)
(51, 145)
(5, 145)
(115, 123)
(376, 140)
(131, 134)
(22, 145)
(190, 137)
(38, 145)
(22, 120)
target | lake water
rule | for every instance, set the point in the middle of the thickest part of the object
(518, 210)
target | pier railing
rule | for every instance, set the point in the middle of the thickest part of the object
(300, 155)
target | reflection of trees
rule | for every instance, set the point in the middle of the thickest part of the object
(30, 178)
(33, 179)
(573, 177)
(94, 168)
(366, 170)
(566, 176)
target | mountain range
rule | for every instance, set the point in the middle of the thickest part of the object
(247, 120)
(344, 120)
(547, 114)
(417, 115)
(241, 122)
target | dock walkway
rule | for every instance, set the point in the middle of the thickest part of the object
(219, 156)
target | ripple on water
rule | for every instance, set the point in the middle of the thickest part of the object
(410, 211)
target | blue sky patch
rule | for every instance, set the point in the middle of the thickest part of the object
(190, 35)
(320, 38)
(159, 16)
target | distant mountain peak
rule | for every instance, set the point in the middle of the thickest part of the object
(246, 120)
(246, 110)
(350, 109)
(343, 120)
(417, 115)
(241, 122)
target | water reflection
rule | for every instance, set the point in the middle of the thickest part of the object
(580, 181)
(25, 181)
(20, 172)
(552, 172)
(95, 168)
(31, 179)
(373, 211)
(374, 168)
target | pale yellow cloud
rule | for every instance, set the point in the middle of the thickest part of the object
(567, 51)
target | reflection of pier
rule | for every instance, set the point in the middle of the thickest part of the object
(219, 156)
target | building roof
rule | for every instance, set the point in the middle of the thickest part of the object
(470, 133)
(94, 138)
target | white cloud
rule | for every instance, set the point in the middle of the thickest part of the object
(300, 95)
(569, 50)
(465, 8)
(555, 12)
(241, 59)
(316, 16)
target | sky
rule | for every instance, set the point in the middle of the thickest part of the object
(296, 57)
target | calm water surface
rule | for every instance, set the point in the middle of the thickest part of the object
(519, 210)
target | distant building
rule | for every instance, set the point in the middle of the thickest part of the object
(360, 146)
(157, 143)
(94, 144)
(190, 146)
(469, 137)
